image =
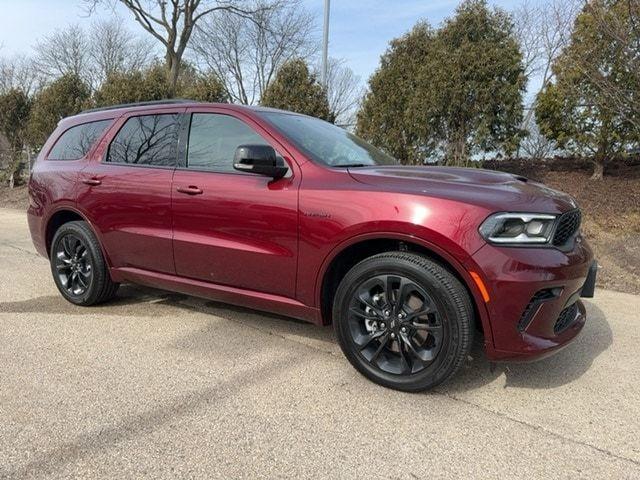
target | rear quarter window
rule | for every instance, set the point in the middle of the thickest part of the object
(75, 142)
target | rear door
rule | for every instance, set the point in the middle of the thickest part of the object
(233, 228)
(127, 191)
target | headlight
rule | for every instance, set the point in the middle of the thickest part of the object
(518, 228)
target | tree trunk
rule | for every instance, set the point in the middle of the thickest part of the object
(457, 155)
(173, 82)
(598, 170)
(598, 162)
(15, 169)
(173, 71)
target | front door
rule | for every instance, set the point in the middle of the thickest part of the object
(233, 228)
(127, 192)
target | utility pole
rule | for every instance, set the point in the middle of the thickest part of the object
(325, 43)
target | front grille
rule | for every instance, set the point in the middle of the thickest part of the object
(566, 318)
(568, 225)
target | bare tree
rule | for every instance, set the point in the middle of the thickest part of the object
(544, 30)
(172, 23)
(527, 26)
(536, 145)
(19, 73)
(620, 26)
(64, 51)
(246, 52)
(344, 92)
(113, 48)
(92, 55)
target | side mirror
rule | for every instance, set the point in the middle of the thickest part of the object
(260, 159)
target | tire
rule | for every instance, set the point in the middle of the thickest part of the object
(78, 267)
(426, 300)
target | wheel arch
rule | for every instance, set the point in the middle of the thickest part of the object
(349, 253)
(66, 214)
(56, 220)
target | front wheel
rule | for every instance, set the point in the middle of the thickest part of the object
(403, 320)
(78, 266)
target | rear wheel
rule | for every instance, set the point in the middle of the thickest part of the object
(78, 266)
(403, 320)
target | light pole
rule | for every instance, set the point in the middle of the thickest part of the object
(325, 43)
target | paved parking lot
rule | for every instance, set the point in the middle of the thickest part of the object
(168, 386)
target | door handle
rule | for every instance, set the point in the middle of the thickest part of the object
(92, 181)
(190, 190)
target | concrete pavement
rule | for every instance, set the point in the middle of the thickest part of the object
(161, 385)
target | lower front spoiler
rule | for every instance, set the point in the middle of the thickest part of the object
(589, 287)
(539, 348)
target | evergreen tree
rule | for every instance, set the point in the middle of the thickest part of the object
(65, 96)
(591, 108)
(451, 93)
(296, 89)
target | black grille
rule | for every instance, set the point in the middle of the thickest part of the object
(568, 225)
(566, 318)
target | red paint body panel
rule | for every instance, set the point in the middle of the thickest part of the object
(252, 241)
(351, 211)
(131, 208)
(135, 222)
(242, 230)
(513, 277)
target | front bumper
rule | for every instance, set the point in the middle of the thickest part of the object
(535, 308)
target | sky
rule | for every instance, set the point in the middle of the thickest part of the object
(360, 30)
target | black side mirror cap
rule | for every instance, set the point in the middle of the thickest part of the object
(259, 159)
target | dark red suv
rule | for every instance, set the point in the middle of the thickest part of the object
(286, 213)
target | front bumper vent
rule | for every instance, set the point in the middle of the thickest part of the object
(566, 318)
(538, 299)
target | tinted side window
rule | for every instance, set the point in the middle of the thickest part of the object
(147, 140)
(213, 140)
(74, 143)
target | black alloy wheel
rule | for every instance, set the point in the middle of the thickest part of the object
(78, 265)
(73, 265)
(396, 324)
(403, 320)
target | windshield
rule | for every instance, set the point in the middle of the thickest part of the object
(325, 143)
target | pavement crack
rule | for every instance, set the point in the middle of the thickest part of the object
(540, 428)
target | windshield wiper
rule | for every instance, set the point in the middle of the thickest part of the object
(351, 165)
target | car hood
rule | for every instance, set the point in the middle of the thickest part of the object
(496, 191)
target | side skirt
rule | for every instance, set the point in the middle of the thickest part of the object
(220, 293)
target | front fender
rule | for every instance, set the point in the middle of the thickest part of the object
(462, 265)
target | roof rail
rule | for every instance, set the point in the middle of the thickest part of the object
(171, 101)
